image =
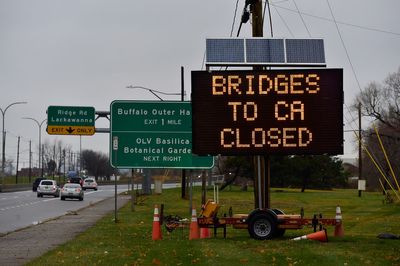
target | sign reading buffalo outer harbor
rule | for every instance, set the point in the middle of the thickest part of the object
(154, 135)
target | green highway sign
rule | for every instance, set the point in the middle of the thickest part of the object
(148, 134)
(70, 120)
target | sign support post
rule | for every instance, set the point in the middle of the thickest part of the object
(115, 149)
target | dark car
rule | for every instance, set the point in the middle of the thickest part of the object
(76, 180)
(36, 183)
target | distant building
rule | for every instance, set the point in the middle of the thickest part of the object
(34, 171)
(352, 170)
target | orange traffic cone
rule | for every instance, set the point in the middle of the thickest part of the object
(339, 223)
(194, 226)
(205, 232)
(320, 236)
(156, 225)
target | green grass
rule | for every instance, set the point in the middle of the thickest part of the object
(128, 242)
(12, 180)
(8, 180)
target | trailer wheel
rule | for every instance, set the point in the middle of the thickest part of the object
(262, 226)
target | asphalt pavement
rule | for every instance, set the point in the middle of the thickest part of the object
(21, 246)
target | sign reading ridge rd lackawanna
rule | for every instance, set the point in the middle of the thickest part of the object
(70, 120)
(297, 111)
(153, 135)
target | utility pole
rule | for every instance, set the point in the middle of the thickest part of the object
(183, 185)
(59, 166)
(64, 164)
(359, 147)
(54, 158)
(30, 161)
(257, 18)
(261, 163)
(70, 161)
(16, 170)
(42, 159)
(80, 154)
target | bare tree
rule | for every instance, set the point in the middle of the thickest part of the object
(9, 167)
(97, 163)
(54, 155)
(232, 168)
(381, 103)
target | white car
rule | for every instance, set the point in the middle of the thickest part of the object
(72, 191)
(89, 183)
(48, 187)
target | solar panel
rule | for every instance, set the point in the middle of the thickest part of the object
(225, 50)
(305, 51)
(266, 52)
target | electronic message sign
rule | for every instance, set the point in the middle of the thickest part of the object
(296, 111)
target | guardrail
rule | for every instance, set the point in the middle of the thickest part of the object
(15, 187)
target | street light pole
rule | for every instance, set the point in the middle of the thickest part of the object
(39, 124)
(3, 160)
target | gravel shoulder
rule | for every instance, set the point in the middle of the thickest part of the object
(19, 247)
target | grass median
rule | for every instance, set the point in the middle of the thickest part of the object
(129, 241)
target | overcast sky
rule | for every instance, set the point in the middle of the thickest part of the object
(85, 53)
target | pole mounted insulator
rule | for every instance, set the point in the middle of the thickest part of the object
(245, 16)
(250, 2)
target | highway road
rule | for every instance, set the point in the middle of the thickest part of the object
(24, 208)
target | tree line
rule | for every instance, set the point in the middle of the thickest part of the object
(379, 103)
(297, 171)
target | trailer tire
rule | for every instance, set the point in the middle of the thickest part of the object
(262, 226)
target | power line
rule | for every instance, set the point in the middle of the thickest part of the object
(270, 17)
(234, 17)
(245, 17)
(353, 119)
(204, 59)
(16, 136)
(338, 22)
(284, 22)
(301, 17)
(232, 28)
(344, 46)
